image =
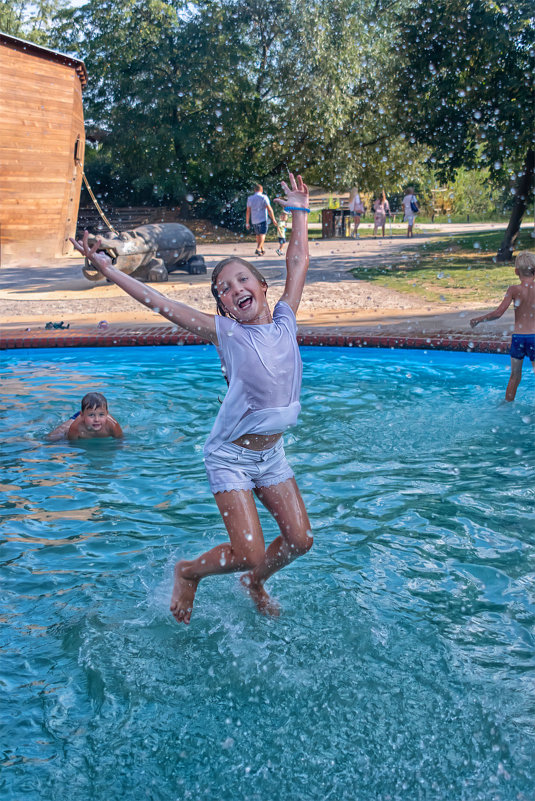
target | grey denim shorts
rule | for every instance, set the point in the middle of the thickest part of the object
(233, 468)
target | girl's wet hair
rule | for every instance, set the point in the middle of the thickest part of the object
(217, 270)
(92, 400)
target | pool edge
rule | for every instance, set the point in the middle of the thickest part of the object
(117, 336)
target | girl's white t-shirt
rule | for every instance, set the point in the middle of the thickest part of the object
(263, 366)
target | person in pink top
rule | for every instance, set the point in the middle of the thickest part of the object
(381, 210)
(244, 452)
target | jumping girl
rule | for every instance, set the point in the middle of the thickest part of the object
(244, 451)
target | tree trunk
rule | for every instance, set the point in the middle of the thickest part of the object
(523, 190)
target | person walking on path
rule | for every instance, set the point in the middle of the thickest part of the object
(410, 209)
(381, 209)
(356, 209)
(257, 212)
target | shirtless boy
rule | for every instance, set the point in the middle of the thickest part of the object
(523, 297)
(93, 421)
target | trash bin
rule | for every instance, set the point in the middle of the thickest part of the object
(327, 223)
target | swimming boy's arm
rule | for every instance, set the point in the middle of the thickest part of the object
(74, 429)
(498, 311)
(60, 432)
(197, 322)
(297, 256)
(114, 428)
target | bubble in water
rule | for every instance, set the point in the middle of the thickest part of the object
(526, 419)
(518, 451)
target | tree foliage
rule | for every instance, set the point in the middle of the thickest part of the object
(200, 99)
(468, 90)
(197, 99)
(31, 21)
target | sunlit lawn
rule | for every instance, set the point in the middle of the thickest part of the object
(453, 269)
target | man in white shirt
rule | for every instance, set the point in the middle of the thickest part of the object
(258, 209)
(408, 211)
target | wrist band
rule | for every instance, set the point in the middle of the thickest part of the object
(296, 208)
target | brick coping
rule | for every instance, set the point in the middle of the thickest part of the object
(120, 336)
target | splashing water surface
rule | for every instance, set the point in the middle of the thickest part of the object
(403, 664)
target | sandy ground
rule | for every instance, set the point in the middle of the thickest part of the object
(30, 296)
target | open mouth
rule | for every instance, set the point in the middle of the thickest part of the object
(245, 302)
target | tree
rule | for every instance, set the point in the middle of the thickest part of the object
(199, 99)
(30, 20)
(467, 90)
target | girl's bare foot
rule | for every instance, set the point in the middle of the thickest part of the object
(183, 595)
(263, 602)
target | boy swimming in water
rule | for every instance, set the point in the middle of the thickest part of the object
(523, 339)
(93, 421)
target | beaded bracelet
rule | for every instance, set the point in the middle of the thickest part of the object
(296, 208)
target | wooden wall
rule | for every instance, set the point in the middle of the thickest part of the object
(41, 118)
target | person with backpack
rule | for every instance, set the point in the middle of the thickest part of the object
(410, 209)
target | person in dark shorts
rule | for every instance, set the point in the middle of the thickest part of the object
(256, 214)
(523, 339)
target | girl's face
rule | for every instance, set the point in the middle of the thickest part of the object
(242, 294)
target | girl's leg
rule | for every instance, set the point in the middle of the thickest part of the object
(244, 552)
(285, 503)
(514, 379)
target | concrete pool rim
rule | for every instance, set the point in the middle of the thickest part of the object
(121, 336)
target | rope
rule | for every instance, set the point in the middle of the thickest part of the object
(95, 201)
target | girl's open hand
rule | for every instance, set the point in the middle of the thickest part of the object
(296, 193)
(92, 254)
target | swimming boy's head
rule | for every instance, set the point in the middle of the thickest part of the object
(93, 400)
(525, 263)
(239, 289)
(94, 411)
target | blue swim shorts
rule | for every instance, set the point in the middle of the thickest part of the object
(260, 228)
(233, 468)
(523, 345)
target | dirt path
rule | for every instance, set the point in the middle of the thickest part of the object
(30, 296)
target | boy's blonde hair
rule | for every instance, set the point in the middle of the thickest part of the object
(525, 262)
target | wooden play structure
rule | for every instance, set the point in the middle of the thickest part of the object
(41, 150)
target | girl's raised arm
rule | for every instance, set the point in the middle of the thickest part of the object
(297, 256)
(199, 323)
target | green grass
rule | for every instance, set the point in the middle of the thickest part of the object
(453, 269)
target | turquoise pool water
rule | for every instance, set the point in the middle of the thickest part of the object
(403, 665)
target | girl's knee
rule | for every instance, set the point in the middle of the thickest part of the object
(252, 557)
(301, 545)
